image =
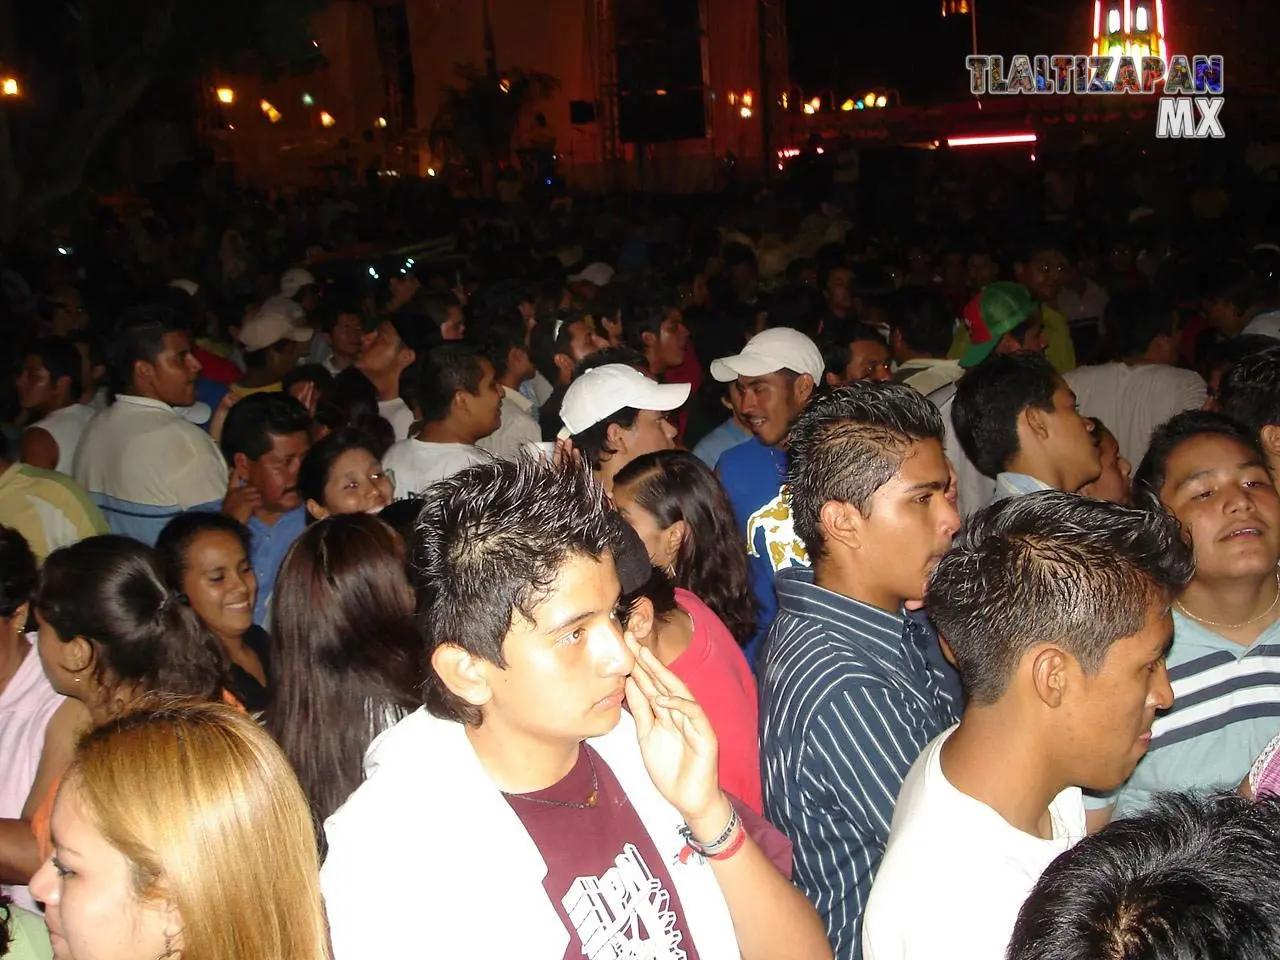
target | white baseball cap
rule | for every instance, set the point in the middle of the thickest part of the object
(189, 287)
(294, 279)
(604, 391)
(597, 274)
(1265, 324)
(779, 348)
(267, 327)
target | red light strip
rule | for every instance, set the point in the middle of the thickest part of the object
(992, 140)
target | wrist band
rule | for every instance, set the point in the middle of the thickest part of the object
(729, 842)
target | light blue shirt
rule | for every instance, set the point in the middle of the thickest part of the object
(268, 545)
(1015, 485)
(1226, 709)
(724, 437)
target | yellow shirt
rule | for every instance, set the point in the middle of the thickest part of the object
(242, 391)
(48, 508)
(1060, 352)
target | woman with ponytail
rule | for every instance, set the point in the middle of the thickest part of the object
(111, 631)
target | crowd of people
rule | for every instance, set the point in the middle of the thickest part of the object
(790, 589)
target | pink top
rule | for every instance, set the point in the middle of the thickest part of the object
(716, 672)
(26, 706)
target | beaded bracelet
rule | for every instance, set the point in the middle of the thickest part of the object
(722, 847)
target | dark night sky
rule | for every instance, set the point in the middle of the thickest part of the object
(851, 46)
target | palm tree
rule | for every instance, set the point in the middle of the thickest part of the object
(479, 116)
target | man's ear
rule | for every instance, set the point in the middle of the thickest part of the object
(240, 466)
(615, 438)
(1036, 421)
(144, 372)
(841, 523)
(1049, 668)
(1270, 436)
(466, 676)
(640, 619)
(564, 364)
(804, 387)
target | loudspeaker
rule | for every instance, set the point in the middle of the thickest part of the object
(581, 111)
(660, 77)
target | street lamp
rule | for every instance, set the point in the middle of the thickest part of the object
(226, 95)
(326, 119)
(9, 87)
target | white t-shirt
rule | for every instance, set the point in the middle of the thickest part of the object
(397, 413)
(417, 465)
(1133, 400)
(955, 873)
(65, 426)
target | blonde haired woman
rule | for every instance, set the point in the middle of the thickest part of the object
(180, 831)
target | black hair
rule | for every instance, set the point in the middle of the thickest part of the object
(674, 486)
(436, 306)
(1230, 282)
(349, 660)
(313, 474)
(339, 300)
(837, 341)
(989, 400)
(607, 355)
(799, 308)
(499, 340)
(552, 337)
(1189, 878)
(1250, 390)
(593, 442)
(1149, 478)
(445, 372)
(18, 574)
(488, 545)
(1134, 320)
(658, 590)
(1036, 241)
(180, 532)
(1051, 568)
(111, 591)
(924, 319)
(647, 316)
(139, 337)
(351, 403)
(1227, 353)
(258, 359)
(826, 268)
(254, 420)
(849, 443)
(60, 357)
(316, 373)
(401, 516)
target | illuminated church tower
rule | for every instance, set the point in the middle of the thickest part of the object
(1132, 28)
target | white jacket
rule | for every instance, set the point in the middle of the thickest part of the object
(427, 859)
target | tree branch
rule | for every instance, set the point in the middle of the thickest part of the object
(124, 85)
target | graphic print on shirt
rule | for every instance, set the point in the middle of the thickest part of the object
(784, 548)
(624, 914)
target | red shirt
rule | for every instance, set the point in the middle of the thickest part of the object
(604, 875)
(716, 672)
(217, 368)
(689, 372)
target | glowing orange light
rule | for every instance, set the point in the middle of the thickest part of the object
(326, 119)
(9, 87)
(226, 95)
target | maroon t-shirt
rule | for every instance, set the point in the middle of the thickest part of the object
(604, 876)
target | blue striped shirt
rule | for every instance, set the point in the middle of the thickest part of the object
(1226, 709)
(849, 699)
